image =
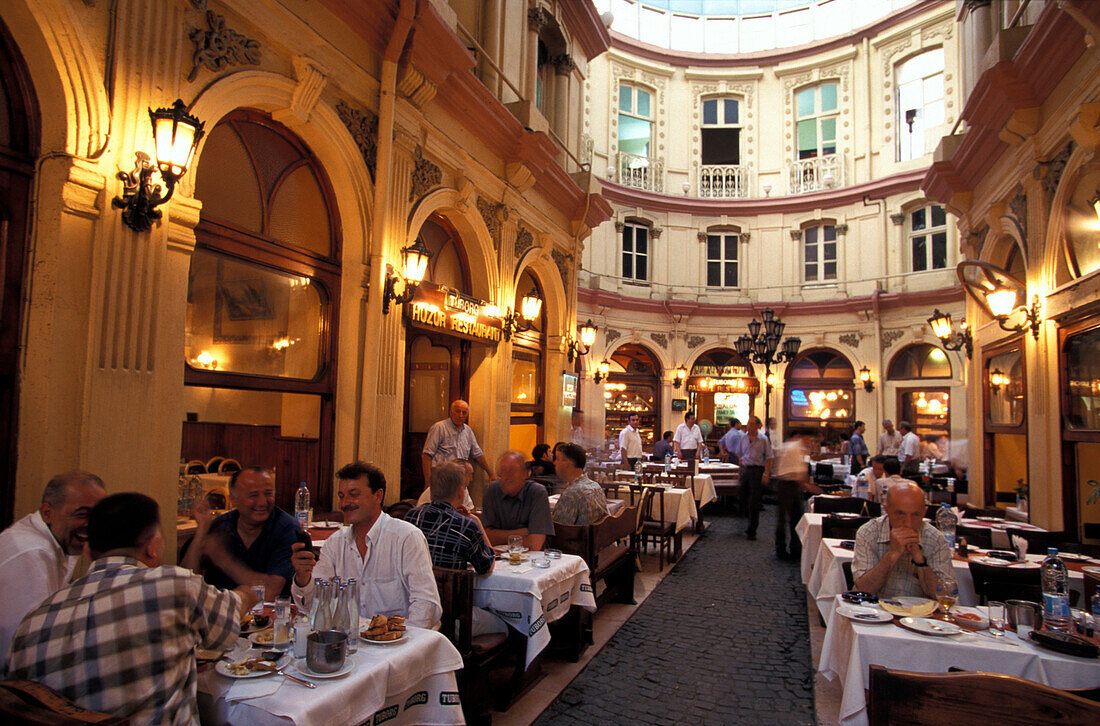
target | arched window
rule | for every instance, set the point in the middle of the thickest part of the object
(262, 299)
(919, 360)
(633, 385)
(821, 393)
(527, 373)
(927, 409)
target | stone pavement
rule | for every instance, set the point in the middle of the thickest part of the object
(722, 640)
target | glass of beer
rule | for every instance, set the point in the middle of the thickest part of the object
(947, 593)
(515, 549)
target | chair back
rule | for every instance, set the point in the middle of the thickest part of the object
(613, 528)
(901, 698)
(27, 703)
(971, 512)
(194, 467)
(398, 510)
(975, 536)
(229, 466)
(848, 505)
(1037, 542)
(213, 464)
(456, 599)
(994, 582)
(842, 528)
(575, 539)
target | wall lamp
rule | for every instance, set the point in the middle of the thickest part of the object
(530, 307)
(998, 291)
(951, 339)
(601, 371)
(176, 133)
(577, 348)
(997, 378)
(680, 377)
(1002, 303)
(865, 376)
(414, 263)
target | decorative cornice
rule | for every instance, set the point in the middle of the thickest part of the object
(425, 175)
(363, 127)
(218, 47)
(587, 27)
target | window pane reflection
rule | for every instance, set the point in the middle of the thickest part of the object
(1083, 369)
(525, 381)
(1006, 393)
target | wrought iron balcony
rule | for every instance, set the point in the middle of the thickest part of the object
(816, 174)
(641, 172)
(723, 182)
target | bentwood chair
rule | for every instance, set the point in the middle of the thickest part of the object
(902, 698)
(975, 536)
(213, 464)
(27, 703)
(194, 467)
(841, 528)
(849, 505)
(1037, 542)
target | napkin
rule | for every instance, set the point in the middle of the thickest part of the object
(246, 688)
(1020, 545)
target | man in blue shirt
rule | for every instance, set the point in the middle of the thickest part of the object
(857, 447)
(727, 445)
(248, 545)
(754, 451)
(663, 447)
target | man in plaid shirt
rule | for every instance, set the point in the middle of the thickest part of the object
(122, 638)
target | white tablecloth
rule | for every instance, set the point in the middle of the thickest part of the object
(680, 503)
(809, 531)
(527, 597)
(850, 649)
(409, 683)
(702, 487)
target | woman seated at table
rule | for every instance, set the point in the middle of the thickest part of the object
(541, 463)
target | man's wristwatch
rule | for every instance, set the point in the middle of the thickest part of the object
(920, 564)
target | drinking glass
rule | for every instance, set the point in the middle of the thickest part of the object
(515, 549)
(996, 618)
(947, 593)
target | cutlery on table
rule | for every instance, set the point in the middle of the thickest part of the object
(296, 679)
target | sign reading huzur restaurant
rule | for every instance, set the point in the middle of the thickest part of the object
(449, 311)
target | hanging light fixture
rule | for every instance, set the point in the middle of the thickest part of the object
(577, 348)
(414, 265)
(530, 307)
(949, 338)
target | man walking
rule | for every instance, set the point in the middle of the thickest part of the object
(755, 454)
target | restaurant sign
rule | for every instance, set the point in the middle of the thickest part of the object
(435, 307)
(726, 371)
(706, 384)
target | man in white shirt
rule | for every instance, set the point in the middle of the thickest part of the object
(889, 442)
(451, 439)
(909, 449)
(38, 553)
(872, 475)
(688, 438)
(891, 474)
(388, 556)
(630, 443)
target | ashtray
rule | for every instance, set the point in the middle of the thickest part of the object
(858, 597)
(553, 554)
(541, 562)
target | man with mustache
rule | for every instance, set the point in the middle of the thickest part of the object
(388, 556)
(38, 553)
(249, 545)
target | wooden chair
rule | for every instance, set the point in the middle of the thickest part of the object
(229, 466)
(1092, 694)
(480, 655)
(838, 528)
(217, 497)
(213, 464)
(653, 527)
(850, 505)
(607, 547)
(902, 698)
(194, 467)
(27, 703)
(993, 582)
(1037, 542)
(971, 512)
(398, 510)
(849, 579)
(975, 536)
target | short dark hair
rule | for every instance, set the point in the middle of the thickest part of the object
(856, 425)
(559, 445)
(905, 426)
(122, 521)
(255, 469)
(56, 490)
(879, 459)
(539, 450)
(687, 413)
(575, 453)
(666, 435)
(892, 465)
(360, 469)
(734, 421)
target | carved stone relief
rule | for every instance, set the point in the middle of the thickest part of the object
(796, 235)
(494, 214)
(897, 218)
(538, 18)
(425, 175)
(655, 232)
(563, 261)
(524, 240)
(851, 339)
(564, 64)
(218, 47)
(363, 127)
(1018, 205)
(1052, 170)
(610, 334)
(660, 339)
(890, 336)
(841, 229)
(694, 341)
(746, 236)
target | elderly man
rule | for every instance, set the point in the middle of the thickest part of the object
(630, 443)
(122, 638)
(754, 451)
(450, 439)
(792, 477)
(455, 539)
(468, 475)
(516, 505)
(688, 438)
(899, 553)
(38, 553)
(727, 445)
(890, 440)
(583, 501)
(388, 556)
(250, 544)
(909, 449)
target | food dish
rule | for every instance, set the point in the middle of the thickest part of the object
(265, 637)
(301, 667)
(928, 626)
(250, 667)
(402, 637)
(909, 606)
(969, 618)
(864, 615)
(384, 630)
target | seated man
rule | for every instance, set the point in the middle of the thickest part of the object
(468, 477)
(122, 638)
(899, 553)
(38, 553)
(455, 539)
(248, 545)
(872, 474)
(388, 556)
(583, 501)
(516, 505)
(663, 447)
(891, 469)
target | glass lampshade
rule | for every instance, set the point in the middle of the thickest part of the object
(1001, 301)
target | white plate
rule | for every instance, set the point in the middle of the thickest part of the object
(301, 667)
(1074, 557)
(1091, 570)
(844, 515)
(928, 626)
(326, 525)
(402, 639)
(257, 638)
(995, 561)
(222, 667)
(864, 615)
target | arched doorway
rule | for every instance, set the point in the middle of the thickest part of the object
(821, 395)
(528, 373)
(262, 305)
(633, 386)
(19, 140)
(722, 386)
(920, 402)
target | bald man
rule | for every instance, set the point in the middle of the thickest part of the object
(452, 439)
(899, 553)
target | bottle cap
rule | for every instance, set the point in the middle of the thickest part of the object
(1052, 551)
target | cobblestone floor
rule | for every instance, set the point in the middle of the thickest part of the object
(722, 640)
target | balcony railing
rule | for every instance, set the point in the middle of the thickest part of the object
(817, 174)
(723, 182)
(641, 172)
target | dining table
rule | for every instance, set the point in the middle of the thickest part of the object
(851, 647)
(410, 682)
(528, 598)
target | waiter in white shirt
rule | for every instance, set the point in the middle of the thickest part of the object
(630, 442)
(688, 438)
(909, 450)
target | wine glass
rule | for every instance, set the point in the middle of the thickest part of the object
(947, 593)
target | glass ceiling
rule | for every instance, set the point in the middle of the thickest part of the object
(742, 26)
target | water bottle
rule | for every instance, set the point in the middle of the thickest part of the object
(353, 614)
(706, 454)
(668, 462)
(1056, 614)
(301, 506)
(1096, 605)
(945, 522)
(637, 470)
(320, 612)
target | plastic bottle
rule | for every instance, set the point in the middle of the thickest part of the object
(301, 506)
(353, 614)
(1056, 613)
(706, 454)
(1096, 605)
(945, 522)
(668, 462)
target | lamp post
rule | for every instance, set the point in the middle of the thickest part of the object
(762, 346)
